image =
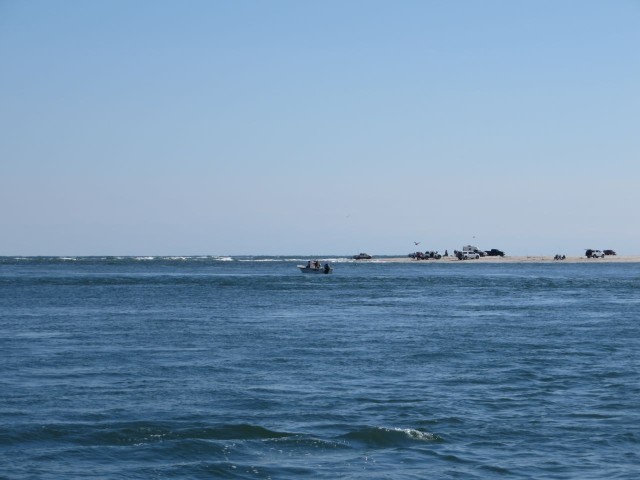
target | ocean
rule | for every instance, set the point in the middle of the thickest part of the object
(245, 368)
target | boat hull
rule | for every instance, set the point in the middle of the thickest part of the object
(321, 270)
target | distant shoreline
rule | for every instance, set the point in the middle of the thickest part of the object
(511, 259)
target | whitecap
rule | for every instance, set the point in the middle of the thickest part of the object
(416, 434)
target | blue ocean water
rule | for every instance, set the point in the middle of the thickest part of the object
(246, 368)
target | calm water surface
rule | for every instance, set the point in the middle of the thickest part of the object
(246, 368)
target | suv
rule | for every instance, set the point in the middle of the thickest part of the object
(494, 252)
(594, 254)
(468, 255)
(472, 249)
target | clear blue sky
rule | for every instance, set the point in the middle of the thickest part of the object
(291, 127)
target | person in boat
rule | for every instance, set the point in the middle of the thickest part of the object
(309, 264)
(326, 268)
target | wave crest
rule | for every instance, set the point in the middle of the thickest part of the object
(137, 433)
(389, 437)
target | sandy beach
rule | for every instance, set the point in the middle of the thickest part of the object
(516, 259)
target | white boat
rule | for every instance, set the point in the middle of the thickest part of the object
(315, 267)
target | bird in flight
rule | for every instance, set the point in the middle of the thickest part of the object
(417, 243)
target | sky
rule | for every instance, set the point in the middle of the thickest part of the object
(283, 127)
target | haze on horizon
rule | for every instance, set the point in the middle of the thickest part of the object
(284, 127)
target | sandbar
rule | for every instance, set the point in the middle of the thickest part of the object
(513, 259)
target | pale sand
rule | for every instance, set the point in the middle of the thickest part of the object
(510, 259)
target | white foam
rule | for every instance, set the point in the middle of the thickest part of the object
(416, 434)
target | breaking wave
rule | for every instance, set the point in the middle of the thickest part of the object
(389, 437)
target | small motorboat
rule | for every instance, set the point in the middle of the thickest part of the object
(315, 267)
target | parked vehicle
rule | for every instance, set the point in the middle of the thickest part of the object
(471, 248)
(494, 252)
(425, 255)
(362, 256)
(469, 255)
(609, 252)
(594, 253)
